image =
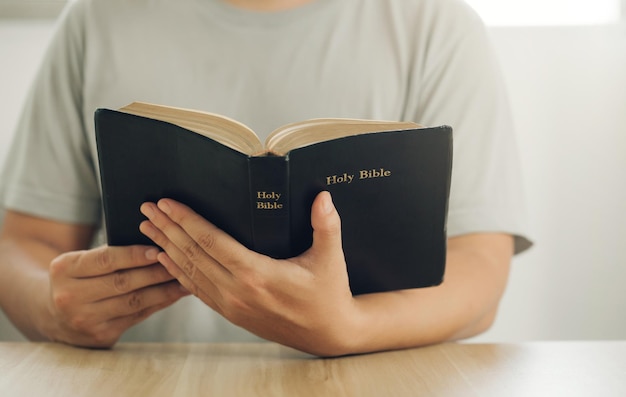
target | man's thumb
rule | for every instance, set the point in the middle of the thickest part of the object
(326, 226)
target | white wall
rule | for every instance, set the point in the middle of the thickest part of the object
(22, 43)
(568, 90)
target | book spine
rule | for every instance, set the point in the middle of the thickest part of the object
(269, 202)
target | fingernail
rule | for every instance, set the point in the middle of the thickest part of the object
(327, 204)
(151, 254)
(164, 206)
(147, 229)
(147, 210)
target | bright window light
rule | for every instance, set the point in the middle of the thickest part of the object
(548, 12)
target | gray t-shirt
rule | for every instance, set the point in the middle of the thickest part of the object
(428, 61)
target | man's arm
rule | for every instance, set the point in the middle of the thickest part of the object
(27, 246)
(464, 305)
(53, 288)
(305, 302)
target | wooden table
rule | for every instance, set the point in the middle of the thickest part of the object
(596, 369)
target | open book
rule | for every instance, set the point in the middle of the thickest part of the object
(389, 181)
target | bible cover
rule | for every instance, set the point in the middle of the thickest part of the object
(391, 191)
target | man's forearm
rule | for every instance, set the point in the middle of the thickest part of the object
(464, 305)
(24, 285)
(28, 244)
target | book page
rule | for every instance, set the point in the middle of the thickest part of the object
(240, 137)
(220, 128)
(309, 132)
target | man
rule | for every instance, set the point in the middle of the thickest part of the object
(265, 63)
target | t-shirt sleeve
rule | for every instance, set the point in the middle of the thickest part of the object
(49, 171)
(461, 85)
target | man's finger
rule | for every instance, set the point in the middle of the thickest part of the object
(122, 282)
(327, 246)
(193, 268)
(215, 242)
(104, 260)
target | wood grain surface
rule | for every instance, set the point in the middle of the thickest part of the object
(505, 370)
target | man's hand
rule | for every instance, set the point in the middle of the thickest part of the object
(96, 295)
(53, 289)
(303, 302)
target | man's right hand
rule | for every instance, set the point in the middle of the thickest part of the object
(53, 288)
(96, 295)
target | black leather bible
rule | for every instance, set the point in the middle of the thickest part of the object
(389, 182)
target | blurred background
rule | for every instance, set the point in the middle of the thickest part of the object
(565, 66)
